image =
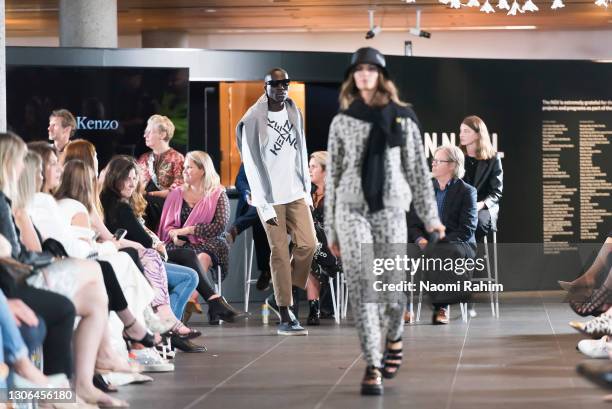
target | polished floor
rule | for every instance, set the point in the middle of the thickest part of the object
(525, 359)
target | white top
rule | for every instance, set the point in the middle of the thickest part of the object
(53, 220)
(280, 156)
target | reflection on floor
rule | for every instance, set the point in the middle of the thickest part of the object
(526, 359)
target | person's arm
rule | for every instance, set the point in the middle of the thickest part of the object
(468, 217)
(135, 231)
(253, 175)
(27, 232)
(495, 183)
(416, 172)
(178, 163)
(416, 228)
(219, 222)
(305, 167)
(333, 173)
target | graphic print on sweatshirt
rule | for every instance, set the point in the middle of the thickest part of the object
(283, 135)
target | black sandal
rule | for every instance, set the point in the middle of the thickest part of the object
(372, 382)
(593, 304)
(392, 355)
(148, 340)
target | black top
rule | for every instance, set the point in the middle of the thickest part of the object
(119, 215)
(470, 169)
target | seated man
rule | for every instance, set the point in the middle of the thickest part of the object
(246, 216)
(457, 209)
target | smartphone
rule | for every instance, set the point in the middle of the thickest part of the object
(119, 234)
(184, 238)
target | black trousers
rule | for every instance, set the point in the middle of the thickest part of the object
(133, 253)
(262, 248)
(189, 258)
(484, 224)
(58, 313)
(116, 298)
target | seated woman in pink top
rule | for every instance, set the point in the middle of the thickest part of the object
(199, 212)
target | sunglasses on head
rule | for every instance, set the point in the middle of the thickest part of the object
(276, 83)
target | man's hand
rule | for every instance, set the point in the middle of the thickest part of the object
(22, 313)
(439, 228)
(273, 221)
(422, 243)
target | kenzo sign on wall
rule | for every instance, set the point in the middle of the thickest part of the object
(96, 124)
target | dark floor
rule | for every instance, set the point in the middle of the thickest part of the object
(525, 360)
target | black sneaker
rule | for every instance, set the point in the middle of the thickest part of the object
(263, 282)
(272, 306)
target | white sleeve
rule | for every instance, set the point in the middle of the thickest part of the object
(258, 197)
(50, 222)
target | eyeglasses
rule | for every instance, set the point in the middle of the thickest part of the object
(275, 83)
(438, 161)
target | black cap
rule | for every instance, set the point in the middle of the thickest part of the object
(367, 55)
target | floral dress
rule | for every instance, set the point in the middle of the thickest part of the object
(164, 172)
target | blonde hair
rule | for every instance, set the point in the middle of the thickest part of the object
(321, 158)
(77, 184)
(456, 156)
(164, 124)
(385, 91)
(12, 150)
(484, 148)
(27, 186)
(202, 160)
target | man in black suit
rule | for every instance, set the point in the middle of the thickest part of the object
(457, 209)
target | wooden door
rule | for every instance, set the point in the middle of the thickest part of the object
(235, 98)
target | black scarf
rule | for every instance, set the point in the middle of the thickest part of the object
(386, 131)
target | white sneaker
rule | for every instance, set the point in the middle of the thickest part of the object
(595, 348)
(151, 361)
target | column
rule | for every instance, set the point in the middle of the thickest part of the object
(2, 69)
(88, 23)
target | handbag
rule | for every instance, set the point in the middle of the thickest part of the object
(19, 272)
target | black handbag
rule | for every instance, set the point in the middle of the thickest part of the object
(54, 247)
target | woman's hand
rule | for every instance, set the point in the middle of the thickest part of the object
(335, 249)
(129, 243)
(174, 233)
(480, 205)
(22, 313)
(161, 249)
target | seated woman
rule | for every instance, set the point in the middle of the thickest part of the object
(79, 280)
(483, 170)
(457, 210)
(123, 208)
(29, 183)
(75, 199)
(161, 169)
(198, 212)
(324, 263)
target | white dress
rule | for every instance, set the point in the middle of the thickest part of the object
(53, 218)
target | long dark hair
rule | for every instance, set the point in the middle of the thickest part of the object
(117, 171)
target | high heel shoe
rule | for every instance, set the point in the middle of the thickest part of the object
(193, 306)
(174, 332)
(390, 369)
(314, 317)
(100, 383)
(372, 383)
(594, 303)
(565, 285)
(148, 340)
(219, 309)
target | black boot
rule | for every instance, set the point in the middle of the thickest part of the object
(220, 309)
(315, 313)
(263, 282)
